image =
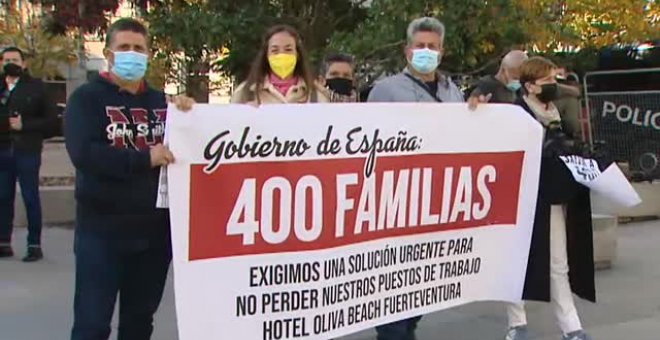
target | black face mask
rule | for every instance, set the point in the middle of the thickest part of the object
(341, 86)
(548, 93)
(13, 70)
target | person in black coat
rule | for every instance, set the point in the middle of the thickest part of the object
(26, 116)
(561, 252)
(504, 87)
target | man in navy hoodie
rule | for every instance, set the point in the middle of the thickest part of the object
(114, 128)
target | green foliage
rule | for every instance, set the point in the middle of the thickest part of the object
(589, 23)
(186, 35)
(45, 52)
(193, 37)
(478, 33)
(315, 20)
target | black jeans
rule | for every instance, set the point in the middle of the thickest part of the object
(22, 167)
(106, 265)
(399, 330)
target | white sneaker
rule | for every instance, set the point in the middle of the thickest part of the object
(518, 333)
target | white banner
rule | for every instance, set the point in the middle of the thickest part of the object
(320, 220)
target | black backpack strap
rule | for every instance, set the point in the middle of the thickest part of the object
(426, 88)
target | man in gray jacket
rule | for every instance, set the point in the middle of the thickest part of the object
(420, 81)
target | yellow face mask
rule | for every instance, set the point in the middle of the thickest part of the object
(283, 64)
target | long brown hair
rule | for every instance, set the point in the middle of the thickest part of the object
(260, 67)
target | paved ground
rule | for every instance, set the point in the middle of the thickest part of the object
(55, 161)
(35, 299)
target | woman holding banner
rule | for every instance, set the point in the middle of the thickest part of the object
(280, 73)
(561, 253)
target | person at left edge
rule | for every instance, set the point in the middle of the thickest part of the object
(26, 115)
(114, 128)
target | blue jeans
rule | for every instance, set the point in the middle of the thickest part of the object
(107, 265)
(24, 167)
(399, 330)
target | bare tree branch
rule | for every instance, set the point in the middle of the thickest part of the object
(386, 46)
(483, 67)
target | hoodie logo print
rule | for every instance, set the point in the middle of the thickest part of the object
(137, 128)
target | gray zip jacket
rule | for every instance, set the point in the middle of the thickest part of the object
(400, 88)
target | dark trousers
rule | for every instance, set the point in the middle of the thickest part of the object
(400, 330)
(134, 268)
(24, 167)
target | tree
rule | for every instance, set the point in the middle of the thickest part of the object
(195, 37)
(316, 21)
(570, 25)
(80, 17)
(188, 37)
(88, 16)
(45, 52)
(478, 32)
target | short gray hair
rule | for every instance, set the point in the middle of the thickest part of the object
(426, 24)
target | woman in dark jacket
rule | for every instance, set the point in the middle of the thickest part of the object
(561, 252)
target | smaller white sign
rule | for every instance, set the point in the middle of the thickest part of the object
(614, 185)
(162, 201)
(611, 183)
(584, 170)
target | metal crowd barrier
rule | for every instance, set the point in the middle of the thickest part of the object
(623, 107)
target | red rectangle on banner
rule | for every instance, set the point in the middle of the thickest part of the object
(274, 207)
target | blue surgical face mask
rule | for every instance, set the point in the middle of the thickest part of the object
(514, 85)
(130, 65)
(425, 61)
